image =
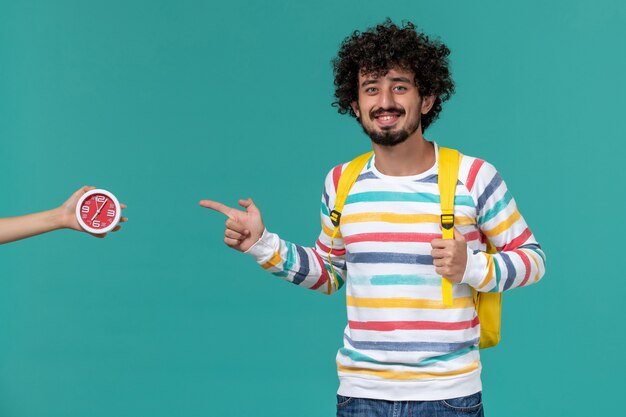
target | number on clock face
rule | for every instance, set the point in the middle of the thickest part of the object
(96, 213)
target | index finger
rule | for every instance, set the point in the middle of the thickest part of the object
(82, 190)
(439, 243)
(214, 205)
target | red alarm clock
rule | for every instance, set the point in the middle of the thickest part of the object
(98, 211)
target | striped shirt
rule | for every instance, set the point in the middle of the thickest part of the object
(401, 343)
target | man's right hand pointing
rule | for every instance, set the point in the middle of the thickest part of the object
(243, 228)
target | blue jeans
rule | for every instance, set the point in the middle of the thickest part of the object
(470, 406)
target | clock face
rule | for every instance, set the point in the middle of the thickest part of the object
(98, 211)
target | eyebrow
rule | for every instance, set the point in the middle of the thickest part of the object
(394, 79)
(369, 82)
(401, 79)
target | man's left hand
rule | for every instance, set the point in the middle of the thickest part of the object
(450, 257)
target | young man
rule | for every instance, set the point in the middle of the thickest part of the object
(62, 217)
(404, 350)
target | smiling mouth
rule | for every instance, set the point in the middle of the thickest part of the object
(386, 119)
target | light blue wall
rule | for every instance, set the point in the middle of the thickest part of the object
(165, 103)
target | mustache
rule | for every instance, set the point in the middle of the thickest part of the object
(396, 110)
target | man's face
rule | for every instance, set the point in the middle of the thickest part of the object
(389, 106)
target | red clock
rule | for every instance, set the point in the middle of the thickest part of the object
(98, 211)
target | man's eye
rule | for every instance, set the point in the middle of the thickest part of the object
(401, 88)
(371, 90)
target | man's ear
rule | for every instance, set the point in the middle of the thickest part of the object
(427, 103)
(355, 108)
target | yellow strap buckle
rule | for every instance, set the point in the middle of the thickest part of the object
(447, 221)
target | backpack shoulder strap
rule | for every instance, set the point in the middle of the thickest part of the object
(346, 181)
(448, 174)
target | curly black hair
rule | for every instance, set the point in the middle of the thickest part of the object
(388, 46)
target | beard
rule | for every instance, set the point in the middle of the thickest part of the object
(388, 136)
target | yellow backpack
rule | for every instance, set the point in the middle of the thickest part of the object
(488, 304)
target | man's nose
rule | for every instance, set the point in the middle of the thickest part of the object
(385, 99)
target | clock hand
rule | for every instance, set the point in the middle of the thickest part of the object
(102, 206)
(99, 209)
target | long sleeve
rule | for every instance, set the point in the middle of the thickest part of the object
(306, 266)
(519, 260)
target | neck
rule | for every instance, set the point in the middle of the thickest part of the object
(411, 157)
